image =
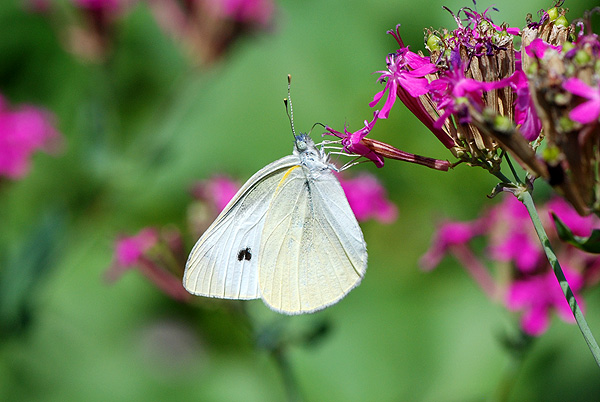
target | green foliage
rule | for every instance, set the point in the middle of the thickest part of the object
(590, 244)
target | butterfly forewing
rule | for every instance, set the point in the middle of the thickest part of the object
(214, 268)
(312, 251)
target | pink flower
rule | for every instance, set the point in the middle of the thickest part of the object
(520, 248)
(22, 132)
(218, 190)
(453, 89)
(514, 237)
(527, 284)
(356, 143)
(406, 73)
(153, 254)
(589, 110)
(449, 234)
(129, 250)
(537, 48)
(579, 225)
(368, 199)
(525, 113)
(475, 18)
(538, 295)
(353, 141)
(248, 11)
(99, 5)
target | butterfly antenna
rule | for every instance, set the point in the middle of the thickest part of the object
(315, 125)
(288, 102)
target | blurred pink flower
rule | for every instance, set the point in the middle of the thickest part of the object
(23, 131)
(514, 239)
(208, 28)
(538, 295)
(155, 254)
(449, 234)
(589, 110)
(248, 11)
(537, 48)
(523, 278)
(129, 250)
(368, 199)
(579, 225)
(218, 191)
(104, 5)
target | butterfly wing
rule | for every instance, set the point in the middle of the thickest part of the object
(312, 251)
(224, 261)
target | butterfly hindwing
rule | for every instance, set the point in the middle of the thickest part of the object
(312, 251)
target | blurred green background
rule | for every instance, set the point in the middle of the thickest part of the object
(144, 125)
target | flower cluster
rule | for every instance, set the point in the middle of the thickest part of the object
(486, 89)
(205, 28)
(523, 280)
(23, 131)
(159, 254)
(208, 28)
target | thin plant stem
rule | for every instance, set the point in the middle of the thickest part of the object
(289, 380)
(512, 169)
(527, 200)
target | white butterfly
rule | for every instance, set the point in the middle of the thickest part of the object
(288, 236)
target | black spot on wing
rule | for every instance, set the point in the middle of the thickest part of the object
(244, 254)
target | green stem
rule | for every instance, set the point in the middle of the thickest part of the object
(289, 381)
(527, 200)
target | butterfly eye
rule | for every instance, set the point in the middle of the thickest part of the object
(301, 145)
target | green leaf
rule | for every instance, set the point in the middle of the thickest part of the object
(590, 244)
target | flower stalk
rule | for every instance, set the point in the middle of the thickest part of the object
(525, 197)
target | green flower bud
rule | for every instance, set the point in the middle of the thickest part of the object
(561, 21)
(551, 154)
(582, 57)
(502, 123)
(567, 46)
(434, 43)
(566, 125)
(553, 13)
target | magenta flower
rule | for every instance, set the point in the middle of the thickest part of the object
(477, 18)
(521, 249)
(452, 238)
(248, 11)
(406, 73)
(526, 284)
(99, 5)
(353, 141)
(538, 47)
(449, 235)
(129, 250)
(453, 90)
(368, 199)
(538, 296)
(525, 115)
(356, 143)
(22, 132)
(579, 225)
(589, 110)
(218, 191)
(151, 253)
(514, 238)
